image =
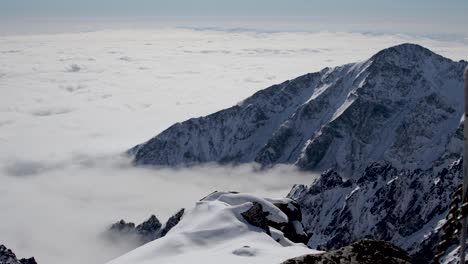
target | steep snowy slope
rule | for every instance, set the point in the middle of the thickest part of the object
(402, 105)
(217, 230)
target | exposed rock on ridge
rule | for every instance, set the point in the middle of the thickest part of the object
(8, 257)
(363, 252)
(145, 232)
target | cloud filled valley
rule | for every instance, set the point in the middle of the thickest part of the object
(59, 211)
(72, 103)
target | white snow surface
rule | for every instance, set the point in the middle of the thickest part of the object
(214, 231)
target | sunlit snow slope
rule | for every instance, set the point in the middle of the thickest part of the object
(214, 231)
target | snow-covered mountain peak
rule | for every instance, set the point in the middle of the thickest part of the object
(403, 106)
(408, 52)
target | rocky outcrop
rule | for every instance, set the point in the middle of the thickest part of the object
(283, 215)
(403, 105)
(122, 227)
(148, 230)
(171, 222)
(257, 217)
(145, 232)
(293, 228)
(384, 203)
(362, 252)
(8, 257)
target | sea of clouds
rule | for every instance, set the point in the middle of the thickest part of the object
(72, 103)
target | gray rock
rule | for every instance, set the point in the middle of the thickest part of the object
(8, 257)
(148, 230)
(122, 227)
(362, 252)
(171, 222)
(384, 203)
(145, 232)
(256, 217)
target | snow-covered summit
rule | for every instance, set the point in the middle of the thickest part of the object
(406, 53)
(220, 228)
(231, 227)
(403, 106)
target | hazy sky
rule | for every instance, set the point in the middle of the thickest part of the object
(427, 10)
(422, 16)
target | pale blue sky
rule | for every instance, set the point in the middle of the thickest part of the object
(419, 9)
(430, 15)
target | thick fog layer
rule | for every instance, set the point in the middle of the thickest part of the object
(58, 212)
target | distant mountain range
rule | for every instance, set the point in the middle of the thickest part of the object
(402, 106)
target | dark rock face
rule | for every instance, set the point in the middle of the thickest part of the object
(148, 230)
(290, 232)
(385, 203)
(28, 261)
(401, 105)
(145, 232)
(8, 257)
(363, 252)
(256, 217)
(291, 229)
(426, 251)
(171, 222)
(122, 227)
(329, 180)
(292, 209)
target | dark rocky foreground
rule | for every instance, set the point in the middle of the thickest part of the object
(362, 252)
(8, 257)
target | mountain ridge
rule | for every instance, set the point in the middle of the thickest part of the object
(390, 107)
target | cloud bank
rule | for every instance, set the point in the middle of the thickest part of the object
(59, 212)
